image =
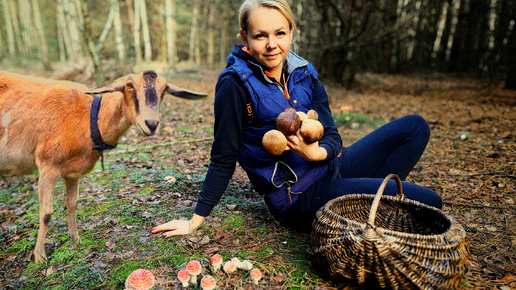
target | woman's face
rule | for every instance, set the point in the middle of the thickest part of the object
(269, 38)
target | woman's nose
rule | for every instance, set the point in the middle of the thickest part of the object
(271, 44)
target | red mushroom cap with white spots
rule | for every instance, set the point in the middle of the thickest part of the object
(208, 283)
(184, 277)
(216, 261)
(194, 268)
(256, 275)
(140, 279)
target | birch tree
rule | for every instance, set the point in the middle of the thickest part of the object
(119, 39)
(193, 50)
(145, 31)
(170, 23)
(87, 33)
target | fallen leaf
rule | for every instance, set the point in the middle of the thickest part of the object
(508, 278)
(110, 244)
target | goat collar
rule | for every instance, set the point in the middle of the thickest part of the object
(98, 144)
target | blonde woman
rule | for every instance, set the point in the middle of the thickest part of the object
(262, 78)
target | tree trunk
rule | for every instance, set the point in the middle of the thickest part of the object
(510, 80)
(43, 46)
(193, 32)
(136, 33)
(211, 35)
(119, 39)
(9, 28)
(86, 29)
(170, 14)
(146, 33)
(107, 26)
(16, 28)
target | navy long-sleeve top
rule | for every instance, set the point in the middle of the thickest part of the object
(231, 117)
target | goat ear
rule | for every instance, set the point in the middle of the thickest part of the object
(183, 93)
(117, 86)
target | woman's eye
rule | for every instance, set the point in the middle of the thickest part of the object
(257, 36)
(281, 33)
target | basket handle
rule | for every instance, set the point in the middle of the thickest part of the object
(376, 201)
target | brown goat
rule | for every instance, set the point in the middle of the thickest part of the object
(57, 128)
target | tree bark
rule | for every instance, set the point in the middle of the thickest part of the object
(193, 32)
(170, 23)
(43, 46)
(146, 33)
(86, 29)
(9, 28)
(119, 39)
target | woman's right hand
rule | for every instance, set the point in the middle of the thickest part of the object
(179, 227)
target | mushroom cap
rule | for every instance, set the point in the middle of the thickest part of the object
(193, 267)
(216, 260)
(229, 267)
(140, 279)
(208, 282)
(183, 275)
(256, 274)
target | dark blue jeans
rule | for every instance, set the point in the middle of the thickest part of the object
(393, 148)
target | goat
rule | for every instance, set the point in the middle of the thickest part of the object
(60, 129)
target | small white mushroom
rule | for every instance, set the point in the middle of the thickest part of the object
(245, 265)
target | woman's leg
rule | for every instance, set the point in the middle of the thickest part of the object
(393, 148)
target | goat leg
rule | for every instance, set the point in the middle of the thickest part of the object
(72, 195)
(46, 185)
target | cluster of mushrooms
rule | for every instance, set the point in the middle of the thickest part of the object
(288, 123)
(142, 279)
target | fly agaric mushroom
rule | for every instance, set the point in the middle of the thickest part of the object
(194, 269)
(208, 283)
(229, 267)
(183, 276)
(140, 279)
(256, 275)
(216, 262)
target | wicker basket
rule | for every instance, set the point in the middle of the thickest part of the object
(389, 241)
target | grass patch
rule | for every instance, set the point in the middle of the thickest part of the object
(352, 120)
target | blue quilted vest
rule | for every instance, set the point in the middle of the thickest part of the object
(280, 178)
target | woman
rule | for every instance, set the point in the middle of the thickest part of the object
(262, 78)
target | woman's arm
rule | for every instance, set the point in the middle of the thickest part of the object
(229, 111)
(330, 145)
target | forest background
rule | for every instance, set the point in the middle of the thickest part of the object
(451, 61)
(341, 38)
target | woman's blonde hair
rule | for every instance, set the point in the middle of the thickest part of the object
(280, 5)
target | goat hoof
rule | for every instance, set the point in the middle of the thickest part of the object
(77, 242)
(40, 259)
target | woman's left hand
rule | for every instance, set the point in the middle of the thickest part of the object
(309, 151)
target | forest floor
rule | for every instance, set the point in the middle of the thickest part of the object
(469, 161)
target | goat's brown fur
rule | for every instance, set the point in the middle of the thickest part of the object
(45, 126)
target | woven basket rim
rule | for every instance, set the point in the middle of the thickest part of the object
(397, 199)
